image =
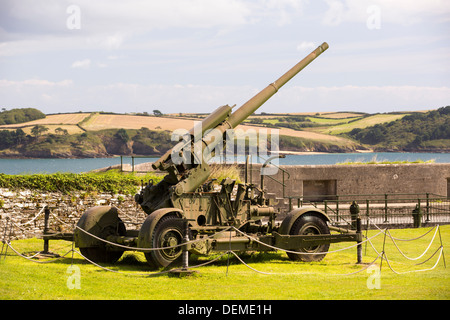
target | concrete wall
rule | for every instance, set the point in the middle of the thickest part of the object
(362, 179)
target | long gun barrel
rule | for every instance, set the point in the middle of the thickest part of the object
(217, 118)
(258, 100)
(188, 176)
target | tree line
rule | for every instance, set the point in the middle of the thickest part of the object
(411, 131)
(14, 116)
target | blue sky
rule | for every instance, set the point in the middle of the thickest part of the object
(196, 55)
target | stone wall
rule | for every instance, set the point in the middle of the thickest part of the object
(22, 212)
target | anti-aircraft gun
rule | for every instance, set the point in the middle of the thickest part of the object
(221, 219)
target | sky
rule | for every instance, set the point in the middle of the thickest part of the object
(182, 56)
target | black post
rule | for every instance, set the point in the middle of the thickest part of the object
(354, 213)
(46, 217)
(359, 246)
(184, 271)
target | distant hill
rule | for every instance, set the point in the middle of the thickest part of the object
(99, 134)
(429, 131)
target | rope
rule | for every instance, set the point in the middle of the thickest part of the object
(398, 239)
(296, 252)
(35, 217)
(63, 222)
(410, 271)
(381, 254)
(149, 249)
(29, 258)
(431, 242)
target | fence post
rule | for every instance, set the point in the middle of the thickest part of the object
(385, 207)
(359, 246)
(46, 217)
(417, 215)
(428, 207)
(354, 214)
(367, 223)
(367, 212)
(337, 208)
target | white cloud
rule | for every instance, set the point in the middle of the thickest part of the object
(130, 97)
(403, 12)
(306, 46)
(371, 99)
(81, 64)
(35, 83)
(38, 93)
(29, 26)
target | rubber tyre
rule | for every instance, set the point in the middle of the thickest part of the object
(168, 232)
(102, 253)
(305, 225)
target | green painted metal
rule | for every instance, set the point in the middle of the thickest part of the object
(190, 175)
(215, 216)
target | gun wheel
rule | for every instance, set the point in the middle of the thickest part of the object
(168, 233)
(103, 253)
(310, 225)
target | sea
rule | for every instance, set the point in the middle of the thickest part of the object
(32, 166)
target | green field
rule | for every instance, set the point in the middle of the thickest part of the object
(363, 122)
(329, 279)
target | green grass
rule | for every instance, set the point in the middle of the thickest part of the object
(332, 121)
(24, 279)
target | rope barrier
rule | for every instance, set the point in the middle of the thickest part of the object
(412, 239)
(410, 271)
(35, 217)
(381, 254)
(149, 249)
(431, 242)
(29, 258)
(296, 252)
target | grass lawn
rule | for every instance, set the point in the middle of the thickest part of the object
(24, 279)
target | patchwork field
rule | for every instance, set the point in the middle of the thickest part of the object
(67, 122)
(363, 122)
(66, 119)
(321, 128)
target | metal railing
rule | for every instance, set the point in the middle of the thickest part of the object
(392, 209)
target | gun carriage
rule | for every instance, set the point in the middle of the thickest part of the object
(219, 219)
